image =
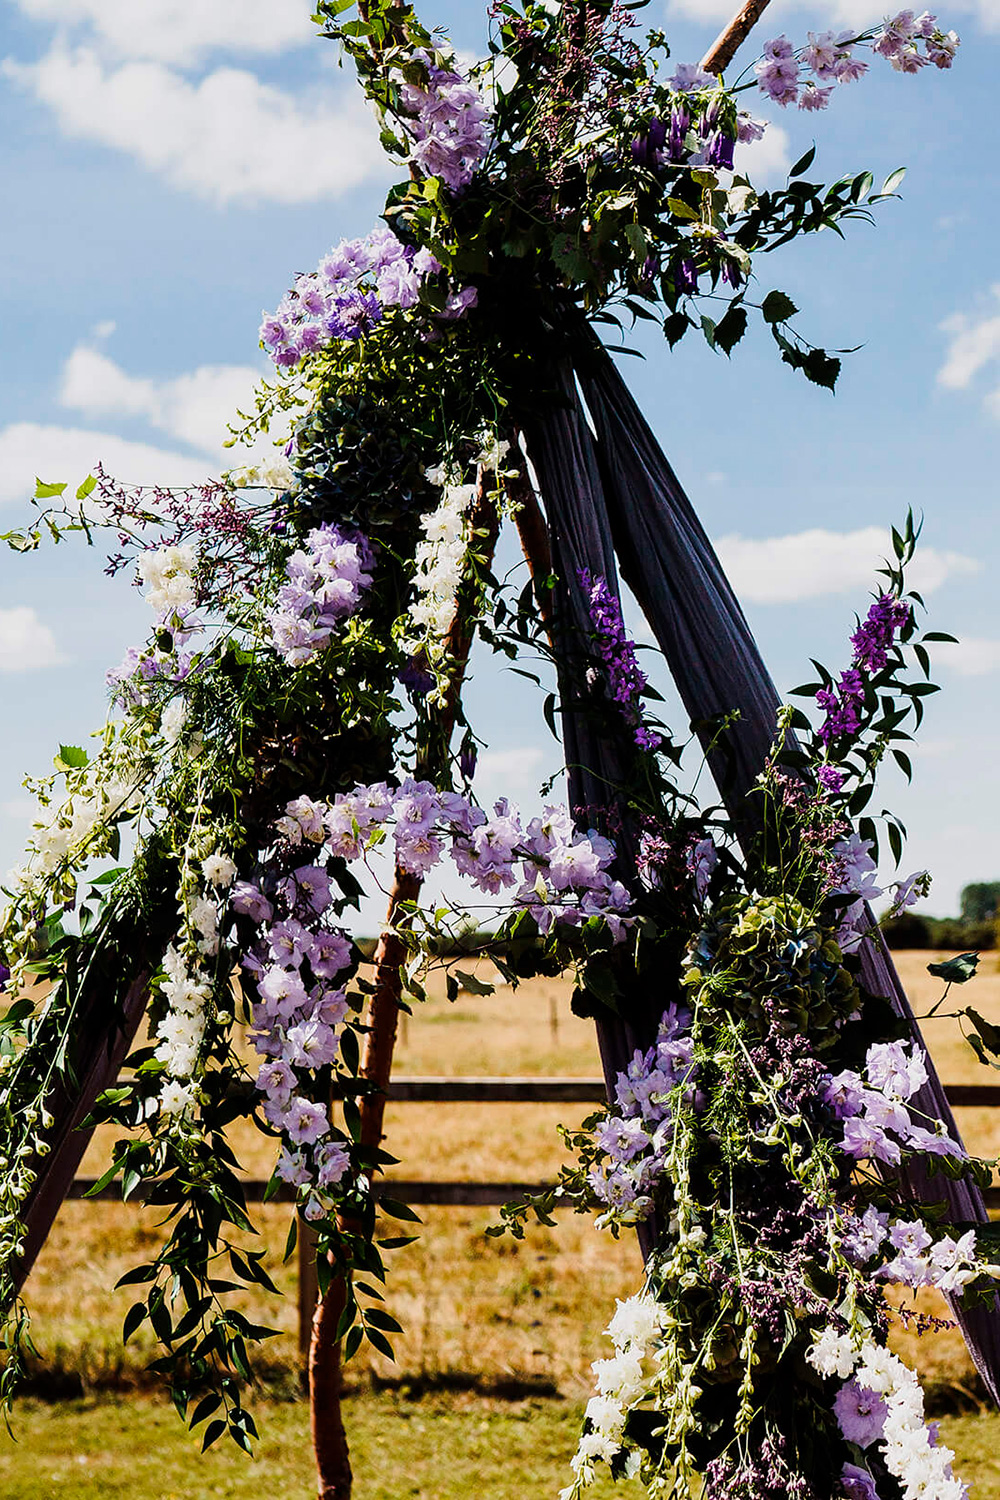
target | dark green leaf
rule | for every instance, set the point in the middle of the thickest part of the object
(957, 970)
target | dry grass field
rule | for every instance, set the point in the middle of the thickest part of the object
(492, 1328)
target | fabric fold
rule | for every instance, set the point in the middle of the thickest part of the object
(612, 494)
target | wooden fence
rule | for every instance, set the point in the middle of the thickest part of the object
(481, 1194)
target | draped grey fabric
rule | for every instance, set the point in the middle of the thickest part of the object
(618, 496)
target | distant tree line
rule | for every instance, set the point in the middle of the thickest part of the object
(976, 927)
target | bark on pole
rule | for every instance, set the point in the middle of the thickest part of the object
(329, 1437)
(724, 48)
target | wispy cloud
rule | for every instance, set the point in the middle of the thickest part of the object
(974, 343)
(181, 31)
(26, 642)
(973, 656)
(227, 137)
(805, 564)
(30, 450)
(516, 768)
(195, 408)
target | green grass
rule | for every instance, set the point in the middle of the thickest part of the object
(432, 1449)
(401, 1450)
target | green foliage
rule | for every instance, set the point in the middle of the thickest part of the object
(979, 901)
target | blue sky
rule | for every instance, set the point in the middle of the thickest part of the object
(169, 165)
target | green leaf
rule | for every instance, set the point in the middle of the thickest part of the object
(472, 984)
(380, 1342)
(45, 491)
(957, 970)
(821, 368)
(135, 1315)
(675, 327)
(989, 1033)
(71, 757)
(731, 329)
(777, 308)
(682, 210)
(87, 487)
(393, 1209)
(893, 180)
(213, 1432)
(804, 163)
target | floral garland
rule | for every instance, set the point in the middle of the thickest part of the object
(260, 750)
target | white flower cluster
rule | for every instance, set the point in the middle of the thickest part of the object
(908, 1445)
(440, 564)
(66, 828)
(622, 1382)
(187, 987)
(168, 573)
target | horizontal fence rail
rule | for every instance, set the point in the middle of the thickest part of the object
(507, 1091)
(475, 1194)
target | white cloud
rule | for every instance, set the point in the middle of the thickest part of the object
(517, 767)
(854, 13)
(973, 656)
(196, 408)
(975, 342)
(57, 454)
(25, 643)
(766, 160)
(19, 809)
(227, 138)
(179, 31)
(805, 564)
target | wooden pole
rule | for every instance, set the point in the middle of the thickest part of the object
(724, 48)
(329, 1436)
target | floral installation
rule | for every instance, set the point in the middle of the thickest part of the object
(295, 707)
(758, 1138)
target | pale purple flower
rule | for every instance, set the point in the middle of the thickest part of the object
(251, 902)
(688, 78)
(328, 954)
(309, 887)
(860, 1413)
(857, 1484)
(305, 1122)
(896, 1070)
(277, 1080)
(864, 1140)
(289, 942)
(291, 1167)
(311, 1045)
(702, 859)
(332, 1162)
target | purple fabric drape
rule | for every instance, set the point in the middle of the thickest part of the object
(615, 495)
(103, 1038)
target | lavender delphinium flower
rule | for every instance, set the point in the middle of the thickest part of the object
(857, 1484)
(860, 1414)
(346, 297)
(327, 580)
(625, 680)
(448, 121)
(831, 58)
(872, 641)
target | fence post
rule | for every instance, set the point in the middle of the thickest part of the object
(308, 1283)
